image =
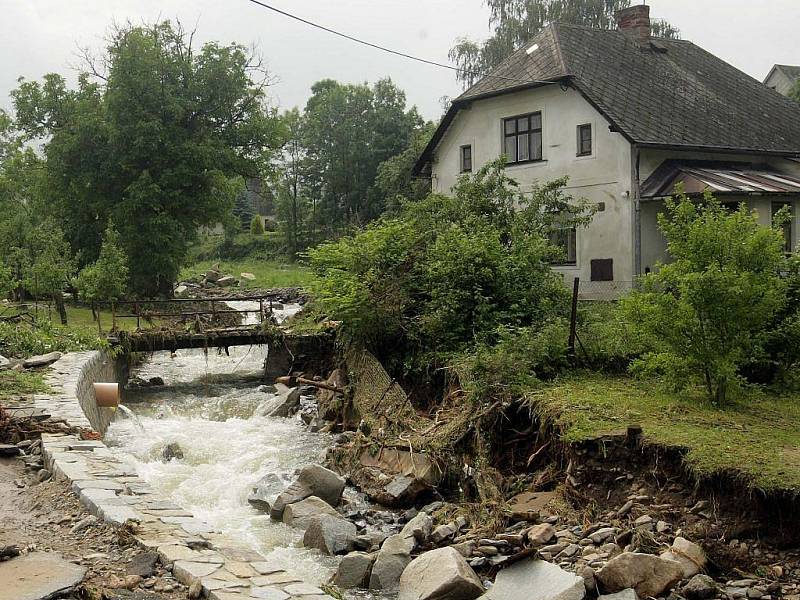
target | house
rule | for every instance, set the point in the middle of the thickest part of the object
(625, 116)
(782, 78)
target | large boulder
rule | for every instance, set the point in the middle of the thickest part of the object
(393, 557)
(301, 513)
(536, 580)
(314, 480)
(330, 535)
(441, 574)
(354, 570)
(649, 575)
(688, 555)
(700, 587)
(263, 490)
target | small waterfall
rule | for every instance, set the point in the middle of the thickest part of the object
(132, 416)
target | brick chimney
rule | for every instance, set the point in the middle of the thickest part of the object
(634, 22)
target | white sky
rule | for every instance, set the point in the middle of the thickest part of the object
(40, 36)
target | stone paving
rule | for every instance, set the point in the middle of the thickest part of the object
(113, 492)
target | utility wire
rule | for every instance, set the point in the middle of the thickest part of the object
(389, 50)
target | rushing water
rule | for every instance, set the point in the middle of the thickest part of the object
(208, 405)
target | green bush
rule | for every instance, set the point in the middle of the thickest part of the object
(708, 310)
(23, 339)
(257, 225)
(449, 273)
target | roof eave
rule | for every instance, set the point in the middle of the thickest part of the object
(719, 149)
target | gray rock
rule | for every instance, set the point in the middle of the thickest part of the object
(443, 532)
(688, 555)
(401, 490)
(227, 281)
(700, 587)
(647, 574)
(264, 489)
(180, 291)
(41, 361)
(440, 574)
(285, 404)
(4, 362)
(83, 524)
(628, 594)
(172, 450)
(314, 480)
(393, 557)
(142, 565)
(354, 570)
(419, 528)
(536, 580)
(38, 576)
(259, 500)
(330, 535)
(299, 514)
(540, 534)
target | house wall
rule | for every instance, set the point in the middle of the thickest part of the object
(778, 81)
(604, 177)
(654, 246)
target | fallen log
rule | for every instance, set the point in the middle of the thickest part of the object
(292, 381)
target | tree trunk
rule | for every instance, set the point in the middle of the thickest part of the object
(58, 298)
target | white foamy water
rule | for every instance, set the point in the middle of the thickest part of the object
(208, 407)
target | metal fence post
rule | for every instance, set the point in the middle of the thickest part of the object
(573, 317)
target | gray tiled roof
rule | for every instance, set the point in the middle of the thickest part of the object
(672, 94)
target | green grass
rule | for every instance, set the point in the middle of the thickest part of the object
(756, 437)
(268, 274)
(19, 383)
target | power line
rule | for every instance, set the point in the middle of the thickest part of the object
(385, 49)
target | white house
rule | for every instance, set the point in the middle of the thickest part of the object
(625, 116)
(782, 78)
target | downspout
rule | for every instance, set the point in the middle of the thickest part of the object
(637, 211)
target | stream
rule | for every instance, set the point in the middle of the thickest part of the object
(209, 407)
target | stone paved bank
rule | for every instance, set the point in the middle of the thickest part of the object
(113, 492)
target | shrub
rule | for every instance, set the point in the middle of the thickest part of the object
(24, 339)
(708, 310)
(450, 272)
(257, 225)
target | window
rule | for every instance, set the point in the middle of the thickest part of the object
(584, 140)
(787, 226)
(567, 240)
(466, 159)
(522, 138)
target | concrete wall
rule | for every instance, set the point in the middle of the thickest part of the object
(73, 377)
(604, 177)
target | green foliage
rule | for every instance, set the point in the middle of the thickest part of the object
(518, 362)
(256, 225)
(347, 132)
(449, 272)
(23, 339)
(159, 146)
(707, 310)
(517, 21)
(107, 278)
(49, 261)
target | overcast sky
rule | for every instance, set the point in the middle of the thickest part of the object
(40, 36)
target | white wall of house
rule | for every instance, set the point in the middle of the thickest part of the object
(602, 178)
(778, 81)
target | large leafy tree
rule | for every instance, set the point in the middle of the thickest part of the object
(517, 21)
(708, 310)
(348, 131)
(154, 139)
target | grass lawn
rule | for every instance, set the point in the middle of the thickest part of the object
(268, 274)
(19, 383)
(757, 435)
(80, 318)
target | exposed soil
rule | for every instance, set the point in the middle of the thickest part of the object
(38, 516)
